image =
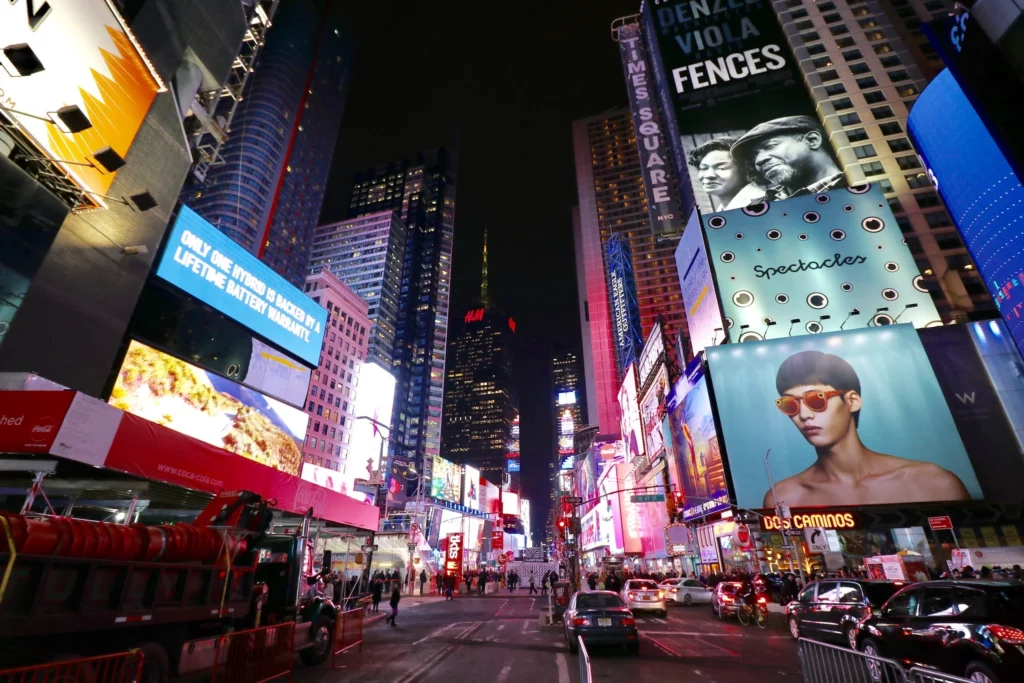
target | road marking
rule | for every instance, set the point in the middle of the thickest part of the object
(723, 649)
(526, 624)
(440, 654)
(438, 632)
(563, 668)
(709, 635)
(501, 626)
(503, 675)
(664, 647)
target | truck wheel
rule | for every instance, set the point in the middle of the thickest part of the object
(156, 667)
(322, 633)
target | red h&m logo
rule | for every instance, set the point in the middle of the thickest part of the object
(512, 325)
(474, 316)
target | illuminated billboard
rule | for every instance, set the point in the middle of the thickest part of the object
(812, 264)
(509, 503)
(208, 407)
(979, 187)
(374, 398)
(471, 488)
(735, 101)
(512, 464)
(206, 264)
(88, 60)
(446, 481)
(869, 397)
(629, 416)
(652, 412)
(700, 297)
(339, 482)
(627, 333)
(566, 398)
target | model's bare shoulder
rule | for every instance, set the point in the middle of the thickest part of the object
(790, 490)
(935, 483)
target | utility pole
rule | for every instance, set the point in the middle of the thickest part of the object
(782, 511)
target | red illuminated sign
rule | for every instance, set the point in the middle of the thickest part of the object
(474, 316)
(453, 556)
(512, 325)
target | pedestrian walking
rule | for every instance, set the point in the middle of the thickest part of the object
(423, 579)
(483, 583)
(449, 587)
(439, 581)
(533, 587)
(592, 581)
(396, 595)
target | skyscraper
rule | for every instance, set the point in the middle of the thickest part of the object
(612, 199)
(480, 399)
(267, 190)
(422, 190)
(569, 397)
(367, 254)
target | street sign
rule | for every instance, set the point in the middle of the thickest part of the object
(940, 523)
(817, 542)
(788, 546)
(784, 512)
(369, 548)
(648, 498)
(572, 500)
(412, 547)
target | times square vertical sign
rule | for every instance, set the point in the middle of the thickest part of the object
(662, 202)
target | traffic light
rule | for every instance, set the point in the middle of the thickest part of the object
(563, 524)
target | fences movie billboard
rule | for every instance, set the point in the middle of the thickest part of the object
(662, 202)
(851, 418)
(983, 194)
(747, 125)
(700, 298)
(208, 265)
(804, 266)
(625, 309)
(697, 450)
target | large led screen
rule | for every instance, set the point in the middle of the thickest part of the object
(629, 415)
(471, 488)
(208, 407)
(370, 432)
(651, 415)
(805, 265)
(984, 196)
(745, 122)
(697, 450)
(700, 298)
(446, 481)
(851, 418)
(339, 482)
(209, 266)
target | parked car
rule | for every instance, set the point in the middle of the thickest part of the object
(723, 598)
(973, 629)
(600, 618)
(643, 595)
(686, 591)
(772, 586)
(830, 609)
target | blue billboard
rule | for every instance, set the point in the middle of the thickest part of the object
(851, 418)
(206, 264)
(981, 190)
(625, 310)
(814, 264)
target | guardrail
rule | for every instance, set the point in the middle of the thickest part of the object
(115, 668)
(584, 660)
(348, 633)
(254, 655)
(825, 663)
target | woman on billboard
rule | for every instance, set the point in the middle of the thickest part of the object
(821, 395)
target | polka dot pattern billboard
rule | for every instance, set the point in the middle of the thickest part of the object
(815, 264)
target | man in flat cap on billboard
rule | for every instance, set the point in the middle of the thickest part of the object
(792, 157)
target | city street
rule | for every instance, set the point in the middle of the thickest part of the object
(499, 639)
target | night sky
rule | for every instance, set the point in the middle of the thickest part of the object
(505, 80)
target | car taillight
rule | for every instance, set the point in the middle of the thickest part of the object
(674, 590)
(726, 598)
(661, 594)
(580, 621)
(627, 621)
(632, 596)
(1007, 634)
(762, 600)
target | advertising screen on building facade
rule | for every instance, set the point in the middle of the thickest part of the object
(655, 160)
(627, 333)
(747, 125)
(806, 264)
(629, 416)
(89, 61)
(206, 264)
(652, 413)
(700, 298)
(471, 488)
(695, 442)
(983, 194)
(374, 400)
(851, 418)
(208, 407)
(339, 482)
(446, 481)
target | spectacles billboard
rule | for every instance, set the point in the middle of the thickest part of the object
(812, 264)
(851, 418)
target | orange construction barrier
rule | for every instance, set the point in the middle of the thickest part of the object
(116, 668)
(254, 655)
(348, 633)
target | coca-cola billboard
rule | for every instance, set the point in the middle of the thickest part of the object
(29, 420)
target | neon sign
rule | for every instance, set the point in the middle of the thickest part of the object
(474, 316)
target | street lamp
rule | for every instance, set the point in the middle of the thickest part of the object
(778, 511)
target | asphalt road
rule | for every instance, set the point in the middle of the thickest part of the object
(499, 639)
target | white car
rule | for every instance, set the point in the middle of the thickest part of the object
(686, 591)
(643, 595)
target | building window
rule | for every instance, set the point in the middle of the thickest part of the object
(832, 18)
(891, 61)
(885, 185)
(917, 180)
(842, 103)
(803, 25)
(840, 30)
(908, 162)
(872, 168)
(868, 23)
(849, 119)
(830, 75)
(852, 55)
(815, 49)
(875, 35)
(882, 48)
(891, 128)
(866, 83)
(874, 97)
(856, 135)
(938, 219)
(894, 204)
(927, 200)
(900, 145)
(822, 63)
(860, 68)
(899, 76)
(959, 261)
(864, 151)
(948, 240)
(845, 42)
(906, 91)
(882, 112)
(835, 89)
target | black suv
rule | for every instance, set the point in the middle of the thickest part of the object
(973, 629)
(831, 608)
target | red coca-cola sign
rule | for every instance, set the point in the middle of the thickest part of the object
(29, 420)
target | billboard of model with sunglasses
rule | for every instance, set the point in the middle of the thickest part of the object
(852, 418)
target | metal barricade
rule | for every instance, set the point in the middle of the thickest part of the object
(584, 659)
(123, 667)
(919, 675)
(255, 655)
(348, 633)
(824, 663)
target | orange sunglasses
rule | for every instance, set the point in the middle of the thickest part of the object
(816, 401)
